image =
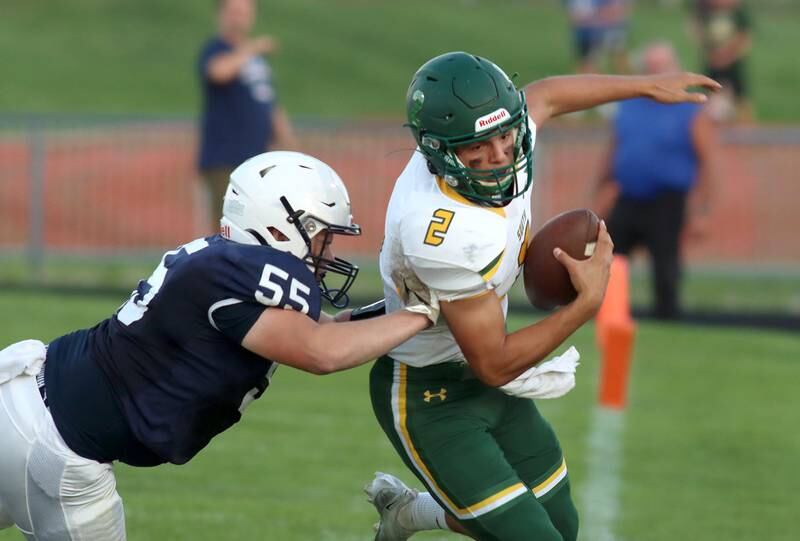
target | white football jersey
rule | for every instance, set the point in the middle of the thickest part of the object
(456, 247)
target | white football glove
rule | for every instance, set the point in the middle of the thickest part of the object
(416, 296)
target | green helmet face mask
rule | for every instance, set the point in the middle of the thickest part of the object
(457, 99)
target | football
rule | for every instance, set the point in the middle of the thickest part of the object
(547, 281)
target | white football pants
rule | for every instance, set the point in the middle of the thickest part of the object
(46, 490)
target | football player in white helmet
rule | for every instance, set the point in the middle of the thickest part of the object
(286, 199)
(195, 344)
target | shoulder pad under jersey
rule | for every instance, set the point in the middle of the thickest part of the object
(454, 247)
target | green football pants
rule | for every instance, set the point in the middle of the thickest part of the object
(491, 460)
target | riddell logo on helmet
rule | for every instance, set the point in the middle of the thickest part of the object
(492, 119)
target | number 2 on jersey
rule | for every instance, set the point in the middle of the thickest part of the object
(438, 227)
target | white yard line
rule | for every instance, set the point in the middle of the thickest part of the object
(599, 497)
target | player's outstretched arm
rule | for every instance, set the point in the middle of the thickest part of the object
(294, 339)
(555, 96)
(495, 357)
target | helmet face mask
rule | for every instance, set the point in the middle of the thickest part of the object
(458, 99)
(323, 266)
(300, 197)
(317, 262)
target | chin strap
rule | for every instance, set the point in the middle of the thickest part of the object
(294, 219)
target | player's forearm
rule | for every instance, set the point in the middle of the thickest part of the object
(535, 343)
(555, 96)
(495, 357)
(348, 344)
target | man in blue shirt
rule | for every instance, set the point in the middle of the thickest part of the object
(658, 173)
(241, 117)
(195, 344)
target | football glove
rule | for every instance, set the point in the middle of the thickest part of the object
(416, 296)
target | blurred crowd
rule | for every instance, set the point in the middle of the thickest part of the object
(720, 29)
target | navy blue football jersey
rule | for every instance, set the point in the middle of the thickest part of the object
(172, 354)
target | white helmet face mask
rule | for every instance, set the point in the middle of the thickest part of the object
(299, 196)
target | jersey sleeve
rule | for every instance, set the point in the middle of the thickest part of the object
(454, 251)
(235, 320)
(259, 277)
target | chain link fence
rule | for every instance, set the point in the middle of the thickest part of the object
(104, 191)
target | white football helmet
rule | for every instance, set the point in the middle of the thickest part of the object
(299, 196)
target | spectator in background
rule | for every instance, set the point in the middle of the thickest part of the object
(240, 116)
(599, 28)
(723, 29)
(657, 178)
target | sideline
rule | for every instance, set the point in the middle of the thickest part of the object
(599, 502)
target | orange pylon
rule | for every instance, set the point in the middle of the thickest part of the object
(615, 333)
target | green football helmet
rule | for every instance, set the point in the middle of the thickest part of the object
(457, 99)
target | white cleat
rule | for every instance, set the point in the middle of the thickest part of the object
(389, 495)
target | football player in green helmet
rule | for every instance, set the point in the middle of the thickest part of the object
(457, 100)
(454, 400)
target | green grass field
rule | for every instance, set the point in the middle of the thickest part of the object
(339, 58)
(710, 445)
(708, 289)
(709, 449)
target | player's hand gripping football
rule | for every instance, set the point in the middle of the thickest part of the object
(590, 276)
(416, 296)
(671, 87)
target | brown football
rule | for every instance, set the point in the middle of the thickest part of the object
(547, 282)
